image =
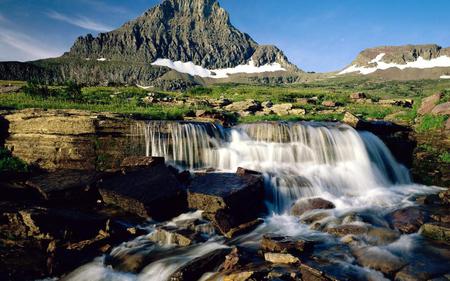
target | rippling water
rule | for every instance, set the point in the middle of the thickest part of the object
(354, 170)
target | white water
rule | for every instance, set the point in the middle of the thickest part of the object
(353, 170)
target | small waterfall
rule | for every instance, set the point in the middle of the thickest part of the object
(299, 159)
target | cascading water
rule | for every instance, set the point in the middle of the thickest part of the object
(299, 159)
(352, 169)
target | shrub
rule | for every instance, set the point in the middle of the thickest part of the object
(71, 91)
(431, 122)
(9, 163)
(35, 89)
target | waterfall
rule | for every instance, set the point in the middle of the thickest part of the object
(299, 159)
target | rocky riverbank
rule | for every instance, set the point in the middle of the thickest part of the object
(90, 195)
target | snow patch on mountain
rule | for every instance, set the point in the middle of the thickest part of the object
(442, 61)
(196, 70)
(445, 77)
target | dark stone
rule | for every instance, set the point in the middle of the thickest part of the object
(305, 205)
(408, 220)
(194, 269)
(228, 200)
(67, 185)
(378, 260)
(243, 172)
(236, 259)
(151, 192)
(141, 161)
(282, 244)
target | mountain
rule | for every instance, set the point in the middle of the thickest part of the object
(402, 62)
(197, 31)
(193, 37)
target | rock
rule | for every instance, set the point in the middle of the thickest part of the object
(329, 103)
(243, 228)
(445, 196)
(301, 101)
(281, 258)
(383, 236)
(304, 205)
(398, 102)
(141, 161)
(310, 273)
(280, 244)
(297, 111)
(243, 172)
(200, 113)
(69, 139)
(244, 106)
(429, 103)
(282, 109)
(267, 104)
(172, 236)
(68, 185)
(441, 109)
(195, 268)
(436, 231)
(351, 120)
(408, 220)
(343, 230)
(358, 96)
(225, 198)
(236, 259)
(150, 192)
(378, 259)
(240, 276)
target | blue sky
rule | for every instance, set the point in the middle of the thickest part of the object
(317, 35)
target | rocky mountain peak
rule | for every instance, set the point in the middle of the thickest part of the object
(197, 31)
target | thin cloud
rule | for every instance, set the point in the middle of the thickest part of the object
(3, 18)
(79, 21)
(30, 47)
(105, 7)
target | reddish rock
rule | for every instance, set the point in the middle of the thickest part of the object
(305, 205)
(442, 109)
(282, 244)
(429, 103)
(408, 220)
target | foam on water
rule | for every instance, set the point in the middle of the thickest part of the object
(354, 170)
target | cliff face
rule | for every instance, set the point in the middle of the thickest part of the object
(401, 54)
(180, 30)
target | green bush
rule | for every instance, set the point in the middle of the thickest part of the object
(9, 163)
(199, 91)
(36, 89)
(71, 91)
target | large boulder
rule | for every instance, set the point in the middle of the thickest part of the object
(304, 205)
(442, 109)
(66, 185)
(150, 192)
(244, 106)
(380, 260)
(429, 103)
(227, 199)
(436, 231)
(282, 244)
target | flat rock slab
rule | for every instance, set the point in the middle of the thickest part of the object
(229, 200)
(63, 183)
(150, 192)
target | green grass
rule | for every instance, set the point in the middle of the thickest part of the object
(9, 163)
(431, 122)
(445, 157)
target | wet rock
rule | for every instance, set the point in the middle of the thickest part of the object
(444, 196)
(429, 103)
(304, 205)
(67, 185)
(436, 231)
(309, 273)
(243, 228)
(419, 271)
(151, 192)
(243, 172)
(347, 229)
(236, 259)
(314, 217)
(240, 276)
(382, 236)
(442, 109)
(141, 161)
(282, 244)
(172, 236)
(194, 269)
(228, 200)
(379, 259)
(358, 96)
(408, 220)
(281, 258)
